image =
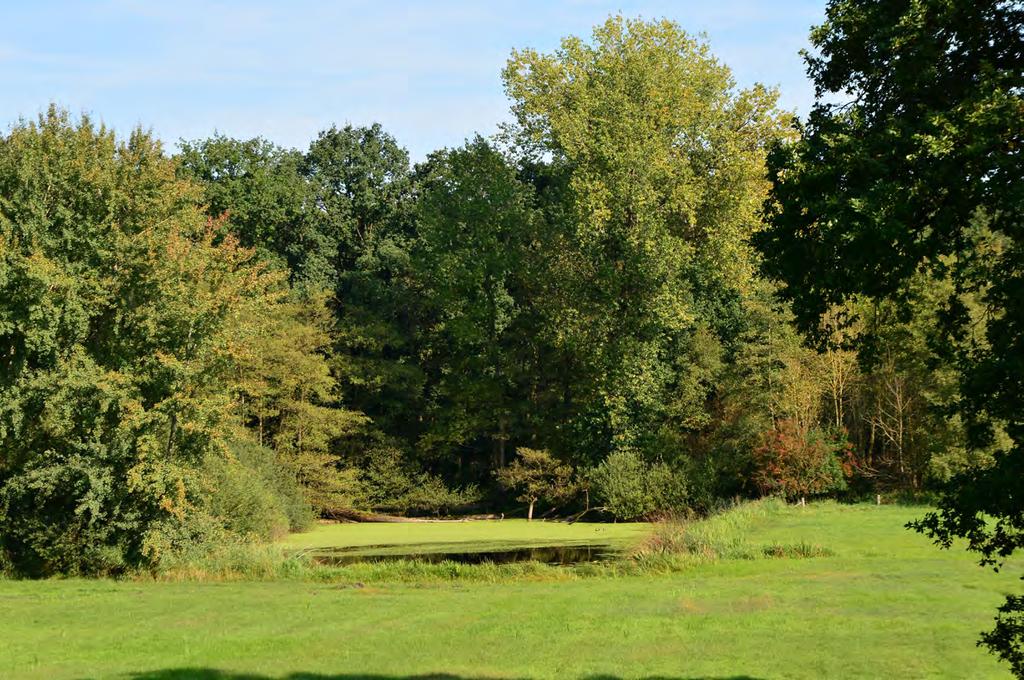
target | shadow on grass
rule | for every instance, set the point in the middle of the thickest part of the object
(214, 674)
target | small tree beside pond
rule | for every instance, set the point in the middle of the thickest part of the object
(537, 476)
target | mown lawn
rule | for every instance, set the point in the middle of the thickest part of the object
(885, 605)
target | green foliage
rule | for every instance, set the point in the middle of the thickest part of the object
(116, 307)
(286, 394)
(472, 261)
(391, 482)
(253, 495)
(619, 483)
(772, 377)
(914, 141)
(630, 488)
(536, 476)
(335, 216)
(360, 177)
(116, 404)
(1005, 638)
(361, 183)
(668, 488)
(261, 190)
(387, 476)
(432, 495)
(795, 462)
(664, 161)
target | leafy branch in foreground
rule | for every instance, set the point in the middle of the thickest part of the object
(917, 172)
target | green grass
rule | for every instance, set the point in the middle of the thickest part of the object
(455, 536)
(883, 603)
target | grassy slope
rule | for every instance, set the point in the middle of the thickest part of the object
(482, 535)
(886, 605)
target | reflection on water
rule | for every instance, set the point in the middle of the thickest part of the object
(552, 554)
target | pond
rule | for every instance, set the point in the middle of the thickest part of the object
(562, 555)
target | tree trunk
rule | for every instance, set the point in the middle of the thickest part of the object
(502, 437)
(529, 513)
(170, 435)
(498, 441)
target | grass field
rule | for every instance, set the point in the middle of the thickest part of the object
(454, 536)
(884, 604)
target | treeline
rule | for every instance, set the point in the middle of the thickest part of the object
(224, 343)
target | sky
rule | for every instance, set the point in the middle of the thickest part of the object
(428, 71)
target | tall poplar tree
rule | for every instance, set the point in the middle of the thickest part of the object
(665, 161)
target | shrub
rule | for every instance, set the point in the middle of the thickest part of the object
(795, 463)
(668, 489)
(387, 477)
(433, 496)
(619, 484)
(630, 488)
(390, 482)
(253, 494)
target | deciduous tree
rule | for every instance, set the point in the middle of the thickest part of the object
(117, 300)
(537, 476)
(916, 137)
(664, 158)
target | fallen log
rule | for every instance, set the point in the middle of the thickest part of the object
(351, 515)
(577, 517)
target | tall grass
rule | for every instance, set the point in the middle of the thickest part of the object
(233, 561)
(271, 563)
(724, 536)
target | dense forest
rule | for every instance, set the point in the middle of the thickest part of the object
(594, 310)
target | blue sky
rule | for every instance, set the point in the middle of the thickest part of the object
(428, 71)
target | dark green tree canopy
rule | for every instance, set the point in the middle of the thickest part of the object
(269, 205)
(360, 179)
(472, 260)
(918, 127)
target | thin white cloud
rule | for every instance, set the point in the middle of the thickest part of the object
(429, 71)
